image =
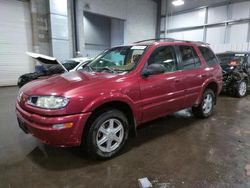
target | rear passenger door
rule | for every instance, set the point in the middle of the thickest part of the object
(193, 72)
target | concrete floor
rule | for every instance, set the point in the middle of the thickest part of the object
(175, 151)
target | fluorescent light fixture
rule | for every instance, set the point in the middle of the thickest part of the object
(178, 2)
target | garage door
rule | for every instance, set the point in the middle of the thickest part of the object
(15, 40)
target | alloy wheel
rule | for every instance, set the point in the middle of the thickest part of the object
(242, 88)
(110, 135)
(207, 103)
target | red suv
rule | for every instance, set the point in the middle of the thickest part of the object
(101, 105)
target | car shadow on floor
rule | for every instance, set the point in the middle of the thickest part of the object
(58, 159)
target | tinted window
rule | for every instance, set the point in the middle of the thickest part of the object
(166, 56)
(227, 59)
(190, 59)
(208, 55)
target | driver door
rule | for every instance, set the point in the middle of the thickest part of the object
(162, 93)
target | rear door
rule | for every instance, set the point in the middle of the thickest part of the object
(162, 93)
(193, 72)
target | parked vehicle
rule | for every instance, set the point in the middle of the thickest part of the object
(101, 105)
(51, 66)
(236, 71)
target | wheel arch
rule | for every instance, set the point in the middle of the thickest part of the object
(213, 85)
(116, 104)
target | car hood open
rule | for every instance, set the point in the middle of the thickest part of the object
(46, 60)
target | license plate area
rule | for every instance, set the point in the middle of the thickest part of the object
(22, 125)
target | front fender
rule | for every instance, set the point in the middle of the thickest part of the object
(114, 97)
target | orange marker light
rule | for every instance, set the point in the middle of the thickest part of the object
(63, 125)
(68, 125)
(233, 63)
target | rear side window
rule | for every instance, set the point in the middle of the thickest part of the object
(209, 56)
(190, 59)
(231, 58)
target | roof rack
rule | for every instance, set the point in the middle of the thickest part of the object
(170, 40)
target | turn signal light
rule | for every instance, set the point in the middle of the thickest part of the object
(63, 125)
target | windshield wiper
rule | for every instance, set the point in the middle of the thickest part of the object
(107, 68)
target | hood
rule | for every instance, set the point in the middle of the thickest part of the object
(46, 60)
(67, 83)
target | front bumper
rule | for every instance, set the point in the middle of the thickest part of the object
(41, 127)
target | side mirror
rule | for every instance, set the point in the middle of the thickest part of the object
(153, 69)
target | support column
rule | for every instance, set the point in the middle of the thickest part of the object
(59, 29)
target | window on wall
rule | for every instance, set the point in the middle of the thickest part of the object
(164, 55)
(209, 56)
(190, 59)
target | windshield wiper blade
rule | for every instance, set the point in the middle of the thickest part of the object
(107, 68)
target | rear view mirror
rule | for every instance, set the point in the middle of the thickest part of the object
(153, 69)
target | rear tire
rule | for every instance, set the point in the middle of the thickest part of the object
(107, 134)
(241, 89)
(205, 108)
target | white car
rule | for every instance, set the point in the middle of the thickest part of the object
(51, 66)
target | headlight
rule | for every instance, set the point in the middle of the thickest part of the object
(48, 102)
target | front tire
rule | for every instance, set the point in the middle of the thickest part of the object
(205, 108)
(107, 134)
(241, 89)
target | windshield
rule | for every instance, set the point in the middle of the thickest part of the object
(119, 59)
(227, 59)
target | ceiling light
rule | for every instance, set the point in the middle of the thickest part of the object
(178, 2)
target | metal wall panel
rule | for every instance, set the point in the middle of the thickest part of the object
(58, 7)
(60, 49)
(163, 7)
(192, 35)
(117, 32)
(225, 26)
(238, 33)
(215, 35)
(240, 10)
(217, 14)
(187, 20)
(163, 22)
(15, 40)
(59, 27)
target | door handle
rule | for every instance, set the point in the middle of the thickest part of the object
(177, 80)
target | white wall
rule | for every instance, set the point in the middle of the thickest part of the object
(190, 4)
(194, 26)
(187, 19)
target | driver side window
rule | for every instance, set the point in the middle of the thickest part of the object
(165, 56)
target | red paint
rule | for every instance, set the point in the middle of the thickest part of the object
(148, 97)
